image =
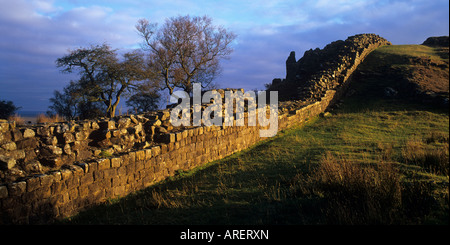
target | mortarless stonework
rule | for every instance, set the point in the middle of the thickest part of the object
(53, 171)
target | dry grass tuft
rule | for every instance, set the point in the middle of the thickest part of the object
(432, 159)
(18, 119)
(357, 194)
(41, 118)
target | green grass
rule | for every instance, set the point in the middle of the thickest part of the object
(375, 160)
(410, 50)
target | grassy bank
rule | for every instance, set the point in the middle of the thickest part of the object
(373, 160)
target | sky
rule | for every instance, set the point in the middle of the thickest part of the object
(34, 33)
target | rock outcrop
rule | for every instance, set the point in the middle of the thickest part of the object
(442, 41)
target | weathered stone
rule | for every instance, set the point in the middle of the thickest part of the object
(16, 135)
(140, 155)
(10, 146)
(67, 138)
(103, 164)
(133, 119)
(54, 162)
(156, 122)
(28, 133)
(95, 126)
(33, 184)
(28, 143)
(107, 125)
(3, 192)
(160, 130)
(164, 115)
(156, 150)
(4, 125)
(138, 128)
(124, 122)
(67, 149)
(50, 140)
(7, 162)
(49, 150)
(116, 162)
(84, 166)
(33, 166)
(17, 154)
(82, 135)
(46, 180)
(17, 189)
(43, 131)
(82, 155)
(30, 154)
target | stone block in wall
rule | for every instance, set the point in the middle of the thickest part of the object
(17, 188)
(4, 125)
(107, 125)
(27, 143)
(45, 180)
(81, 155)
(140, 155)
(168, 138)
(44, 131)
(123, 122)
(3, 192)
(28, 133)
(156, 150)
(81, 136)
(7, 162)
(51, 140)
(33, 184)
(16, 134)
(9, 146)
(50, 150)
(103, 164)
(164, 148)
(116, 162)
(52, 161)
(87, 179)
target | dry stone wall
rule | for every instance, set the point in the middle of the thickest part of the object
(53, 171)
(320, 70)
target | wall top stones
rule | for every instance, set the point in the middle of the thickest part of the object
(322, 69)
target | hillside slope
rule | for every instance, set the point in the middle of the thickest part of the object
(415, 72)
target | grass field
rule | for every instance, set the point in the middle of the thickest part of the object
(373, 160)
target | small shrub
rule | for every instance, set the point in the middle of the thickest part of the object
(41, 118)
(105, 154)
(417, 199)
(356, 194)
(433, 159)
(17, 118)
(385, 151)
(436, 137)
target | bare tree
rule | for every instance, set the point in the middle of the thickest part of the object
(185, 50)
(103, 77)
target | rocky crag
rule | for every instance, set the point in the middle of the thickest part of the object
(320, 70)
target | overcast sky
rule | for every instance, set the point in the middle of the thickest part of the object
(34, 33)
